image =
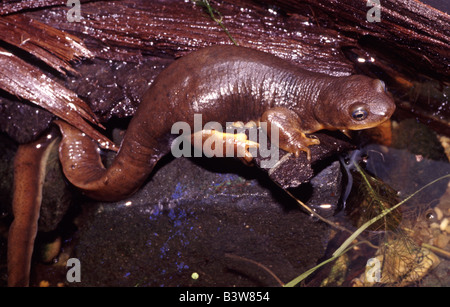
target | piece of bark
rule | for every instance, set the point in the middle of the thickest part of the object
(127, 30)
(48, 44)
(408, 26)
(56, 49)
(24, 80)
(13, 6)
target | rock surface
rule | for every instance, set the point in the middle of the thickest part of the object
(189, 218)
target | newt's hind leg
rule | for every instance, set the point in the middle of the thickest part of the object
(215, 143)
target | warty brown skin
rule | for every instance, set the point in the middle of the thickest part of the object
(224, 84)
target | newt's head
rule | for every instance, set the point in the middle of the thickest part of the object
(354, 103)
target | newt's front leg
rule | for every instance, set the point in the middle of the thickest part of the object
(291, 137)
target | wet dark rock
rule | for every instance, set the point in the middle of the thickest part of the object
(187, 219)
(22, 121)
(326, 190)
(56, 196)
(113, 88)
(7, 152)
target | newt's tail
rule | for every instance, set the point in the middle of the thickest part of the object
(82, 165)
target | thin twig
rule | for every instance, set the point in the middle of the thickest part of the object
(313, 213)
(213, 12)
(438, 250)
(262, 266)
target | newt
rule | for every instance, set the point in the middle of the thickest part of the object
(224, 84)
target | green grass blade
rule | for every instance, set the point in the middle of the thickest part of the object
(346, 246)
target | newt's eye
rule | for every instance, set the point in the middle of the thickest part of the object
(359, 113)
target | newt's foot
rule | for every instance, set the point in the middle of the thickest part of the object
(240, 144)
(220, 144)
(299, 142)
(249, 125)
